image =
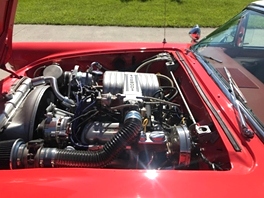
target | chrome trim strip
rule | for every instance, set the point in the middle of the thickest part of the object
(210, 106)
(259, 130)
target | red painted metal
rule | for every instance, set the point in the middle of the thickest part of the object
(130, 183)
(31, 52)
(7, 14)
(244, 179)
(247, 165)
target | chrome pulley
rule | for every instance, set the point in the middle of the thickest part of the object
(179, 146)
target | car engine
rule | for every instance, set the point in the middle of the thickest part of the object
(102, 118)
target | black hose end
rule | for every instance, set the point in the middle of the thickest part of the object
(5, 151)
(7, 147)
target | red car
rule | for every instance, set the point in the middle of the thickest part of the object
(134, 119)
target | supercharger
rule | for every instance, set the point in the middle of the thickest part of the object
(128, 120)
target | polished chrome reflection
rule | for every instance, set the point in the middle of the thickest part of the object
(195, 33)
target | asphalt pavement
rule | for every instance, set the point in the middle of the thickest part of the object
(101, 33)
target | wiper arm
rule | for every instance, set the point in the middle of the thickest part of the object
(235, 87)
(246, 132)
(212, 58)
(207, 57)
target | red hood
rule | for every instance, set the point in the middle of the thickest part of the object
(7, 15)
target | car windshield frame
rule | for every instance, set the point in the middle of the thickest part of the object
(228, 28)
(237, 36)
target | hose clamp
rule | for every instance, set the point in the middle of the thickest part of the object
(133, 114)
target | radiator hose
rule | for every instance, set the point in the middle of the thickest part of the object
(53, 157)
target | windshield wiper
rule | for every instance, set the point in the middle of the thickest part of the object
(246, 132)
(204, 56)
(212, 58)
(208, 57)
(235, 86)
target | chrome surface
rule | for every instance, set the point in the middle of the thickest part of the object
(54, 85)
(246, 132)
(183, 98)
(195, 33)
(17, 97)
(185, 145)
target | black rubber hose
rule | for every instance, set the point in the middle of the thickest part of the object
(73, 158)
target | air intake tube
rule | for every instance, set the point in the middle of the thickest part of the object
(53, 157)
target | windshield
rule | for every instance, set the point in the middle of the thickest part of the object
(238, 45)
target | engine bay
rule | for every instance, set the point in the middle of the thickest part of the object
(115, 110)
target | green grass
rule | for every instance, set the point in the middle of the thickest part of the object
(149, 13)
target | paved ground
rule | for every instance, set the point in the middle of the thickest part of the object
(101, 33)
